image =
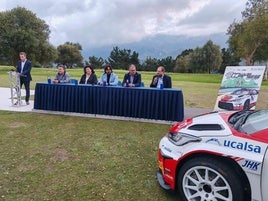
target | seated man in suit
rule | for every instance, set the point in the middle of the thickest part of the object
(132, 78)
(161, 79)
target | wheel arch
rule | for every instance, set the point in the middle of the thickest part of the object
(229, 161)
(246, 103)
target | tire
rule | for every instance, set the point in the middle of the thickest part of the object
(247, 105)
(208, 179)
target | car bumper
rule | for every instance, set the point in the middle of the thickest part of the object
(167, 169)
(161, 181)
(230, 106)
(224, 105)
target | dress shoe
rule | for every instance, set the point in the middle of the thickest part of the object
(27, 103)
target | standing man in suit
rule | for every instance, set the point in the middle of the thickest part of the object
(132, 78)
(161, 78)
(24, 68)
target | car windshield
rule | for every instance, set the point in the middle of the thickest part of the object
(250, 121)
(240, 92)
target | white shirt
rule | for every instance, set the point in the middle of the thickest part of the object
(87, 77)
(131, 78)
(22, 65)
(159, 82)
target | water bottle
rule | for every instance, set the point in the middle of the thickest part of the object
(48, 80)
(127, 84)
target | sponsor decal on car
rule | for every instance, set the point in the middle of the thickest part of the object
(166, 148)
(242, 146)
(214, 141)
(251, 165)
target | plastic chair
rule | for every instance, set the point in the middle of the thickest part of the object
(119, 84)
(73, 81)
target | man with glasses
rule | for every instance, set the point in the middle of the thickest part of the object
(61, 76)
(132, 78)
(161, 80)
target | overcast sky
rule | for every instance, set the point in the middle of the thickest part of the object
(103, 22)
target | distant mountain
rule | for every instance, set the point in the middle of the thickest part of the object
(159, 46)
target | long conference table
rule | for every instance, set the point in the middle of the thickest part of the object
(145, 103)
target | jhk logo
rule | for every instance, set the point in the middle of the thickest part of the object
(251, 165)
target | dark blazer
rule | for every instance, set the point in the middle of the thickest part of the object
(91, 80)
(136, 79)
(166, 81)
(26, 73)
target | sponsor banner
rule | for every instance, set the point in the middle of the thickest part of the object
(239, 88)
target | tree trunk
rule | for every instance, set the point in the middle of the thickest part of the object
(248, 61)
(266, 71)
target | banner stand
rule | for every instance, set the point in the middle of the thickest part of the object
(240, 88)
(14, 78)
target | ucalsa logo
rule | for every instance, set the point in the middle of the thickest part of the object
(242, 146)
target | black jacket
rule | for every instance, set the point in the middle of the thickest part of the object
(166, 81)
(136, 79)
(26, 73)
(91, 80)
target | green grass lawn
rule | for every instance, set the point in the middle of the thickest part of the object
(54, 157)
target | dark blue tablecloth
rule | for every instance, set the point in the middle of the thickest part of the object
(148, 103)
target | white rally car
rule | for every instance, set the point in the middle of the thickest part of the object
(241, 99)
(217, 156)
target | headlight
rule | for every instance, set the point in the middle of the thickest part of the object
(182, 138)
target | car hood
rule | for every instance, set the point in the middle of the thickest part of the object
(227, 98)
(231, 97)
(208, 125)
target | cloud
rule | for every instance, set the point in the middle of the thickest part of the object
(95, 23)
(213, 18)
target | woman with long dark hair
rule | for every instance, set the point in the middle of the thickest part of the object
(89, 76)
(108, 77)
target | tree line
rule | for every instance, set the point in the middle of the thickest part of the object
(248, 40)
(209, 58)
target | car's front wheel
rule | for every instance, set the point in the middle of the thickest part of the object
(205, 178)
